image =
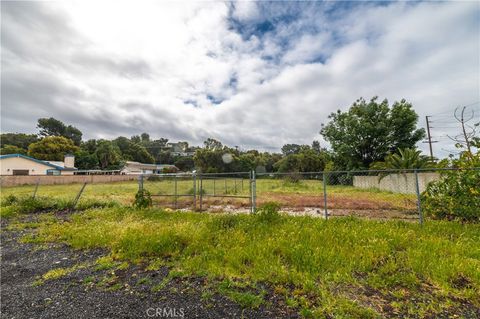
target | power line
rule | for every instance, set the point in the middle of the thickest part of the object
(443, 114)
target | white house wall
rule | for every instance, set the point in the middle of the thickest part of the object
(7, 165)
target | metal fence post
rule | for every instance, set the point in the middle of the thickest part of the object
(254, 192)
(214, 185)
(176, 192)
(225, 192)
(140, 183)
(250, 191)
(194, 191)
(325, 195)
(78, 195)
(36, 189)
(419, 203)
(201, 192)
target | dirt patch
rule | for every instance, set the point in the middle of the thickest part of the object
(304, 204)
(320, 212)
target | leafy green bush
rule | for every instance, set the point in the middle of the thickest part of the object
(268, 212)
(457, 194)
(9, 200)
(143, 199)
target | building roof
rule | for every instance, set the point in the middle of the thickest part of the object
(53, 164)
(148, 166)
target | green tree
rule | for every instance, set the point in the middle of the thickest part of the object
(165, 157)
(316, 147)
(405, 159)
(123, 144)
(50, 127)
(289, 163)
(11, 149)
(213, 144)
(209, 160)
(145, 137)
(90, 146)
(139, 153)
(306, 161)
(86, 160)
(74, 134)
(52, 148)
(136, 139)
(156, 146)
(185, 163)
(53, 127)
(20, 140)
(289, 149)
(246, 162)
(131, 151)
(368, 131)
(268, 160)
(108, 155)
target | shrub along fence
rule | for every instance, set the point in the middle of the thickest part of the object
(379, 194)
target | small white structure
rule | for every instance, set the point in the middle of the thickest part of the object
(142, 168)
(19, 164)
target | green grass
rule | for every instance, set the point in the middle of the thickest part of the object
(122, 192)
(14, 205)
(246, 299)
(324, 268)
(57, 273)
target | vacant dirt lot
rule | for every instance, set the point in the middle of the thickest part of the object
(364, 206)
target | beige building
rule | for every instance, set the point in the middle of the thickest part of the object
(142, 168)
(18, 164)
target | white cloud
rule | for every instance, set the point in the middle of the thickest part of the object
(114, 68)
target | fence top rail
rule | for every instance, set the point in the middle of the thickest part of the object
(190, 174)
(196, 174)
(224, 173)
(406, 170)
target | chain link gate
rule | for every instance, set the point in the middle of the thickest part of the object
(199, 191)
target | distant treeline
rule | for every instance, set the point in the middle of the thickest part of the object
(369, 133)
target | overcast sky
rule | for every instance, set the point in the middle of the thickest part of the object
(252, 74)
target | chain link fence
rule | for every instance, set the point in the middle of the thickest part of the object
(377, 194)
(381, 194)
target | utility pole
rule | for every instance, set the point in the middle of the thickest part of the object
(429, 137)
